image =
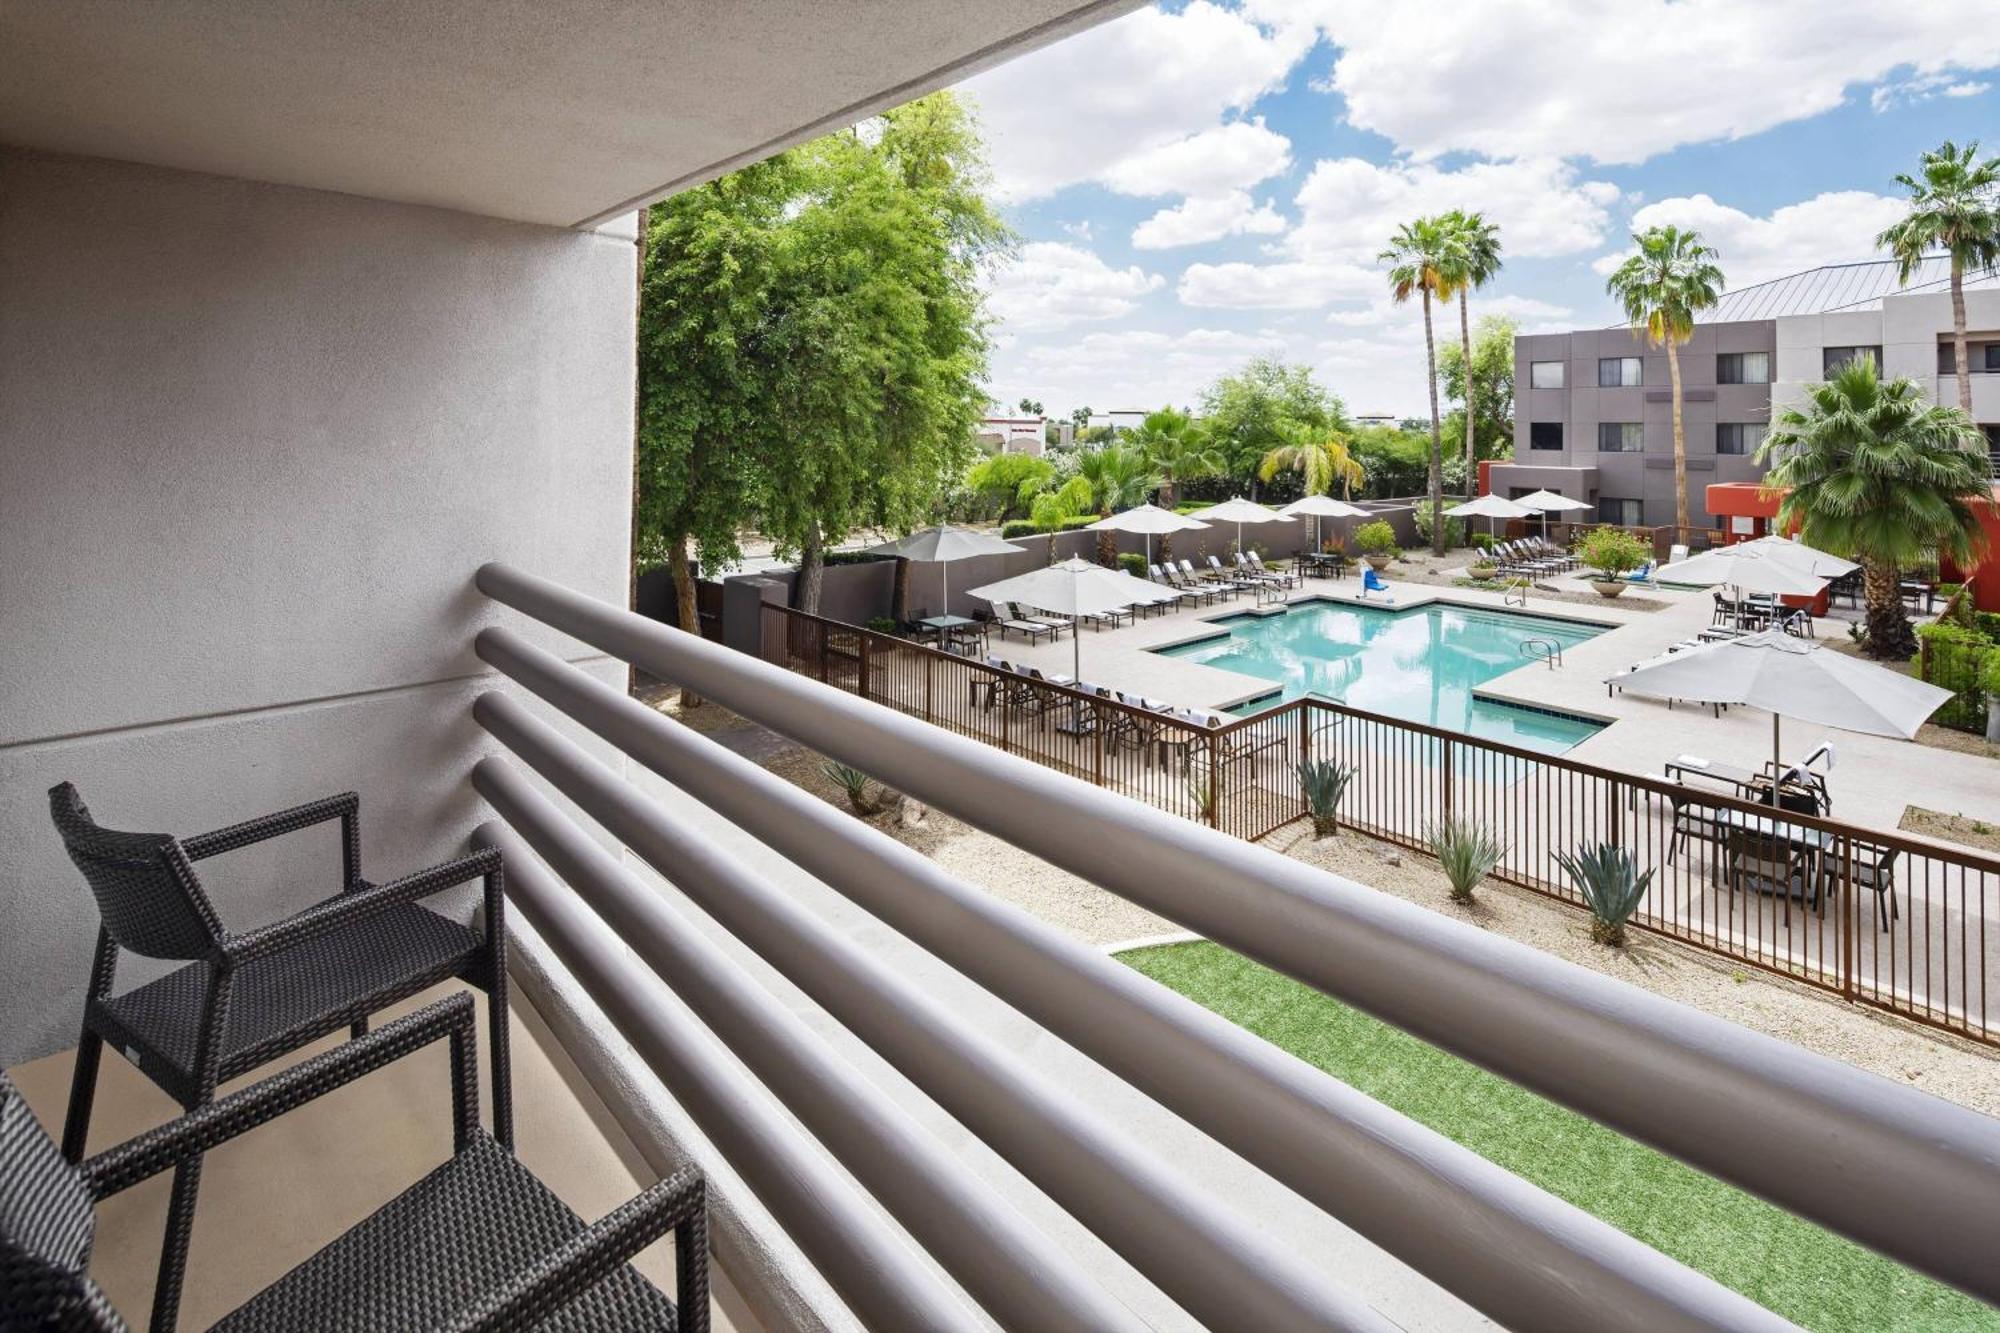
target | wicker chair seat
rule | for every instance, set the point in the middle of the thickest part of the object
(465, 1229)
(285, 999)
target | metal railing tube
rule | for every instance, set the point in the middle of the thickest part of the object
(873, 1269)
(1525, 1257)
(1007, 1265)
(1194, 1248)
(1908, 1174)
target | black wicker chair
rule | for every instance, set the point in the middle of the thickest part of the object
(245, 999)
(479, 1243)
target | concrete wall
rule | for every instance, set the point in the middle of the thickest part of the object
(253, 443)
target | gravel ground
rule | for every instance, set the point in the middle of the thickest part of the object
(1943, 1065)
(1958, 828)
(1446, 572)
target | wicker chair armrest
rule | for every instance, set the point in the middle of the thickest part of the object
(596, 1252)
(200, 1130)
(347, 805)
(343, 911)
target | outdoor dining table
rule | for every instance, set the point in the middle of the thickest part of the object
(1318, 561)
(942, 626)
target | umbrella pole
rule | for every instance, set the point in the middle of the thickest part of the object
(944, 572)
(1075, 651)
(1777, 758)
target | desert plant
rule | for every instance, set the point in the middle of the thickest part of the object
(1468, 851)
(1202, 792)
(1133, 563)
(1612, 552)
(855, 785)
(1611, 886)
(1377, 539)
(1324, 782)
(1454, 528)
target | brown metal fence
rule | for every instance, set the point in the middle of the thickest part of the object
(1877, 918)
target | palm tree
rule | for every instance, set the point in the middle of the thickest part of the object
(1178, 449)
(1475, 261)
(1663, 287)
(1954, 207)
(1875, 470)
(1421, 260)
(1120, 476)
(1321, 457)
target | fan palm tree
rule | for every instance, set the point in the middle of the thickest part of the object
(1475, 261)
(1875, 470)
(1954, 207)
(1663, 287)
(1319, 456)
(1120, 476)
(1178, 449)
(1420, 259)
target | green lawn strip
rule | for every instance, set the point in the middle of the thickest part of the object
(1801, 1271)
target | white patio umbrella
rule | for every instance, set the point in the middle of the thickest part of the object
(1744, 570)
(1791, 677)
(1546, 503)
(1798, 555)
(1322, 506)
(1240, 511)
(1074, 588)
(1491, 507)
(943, 544)
(1148, 519)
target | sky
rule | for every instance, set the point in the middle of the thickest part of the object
(1198, 183)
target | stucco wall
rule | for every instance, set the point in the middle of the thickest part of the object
(253, 443)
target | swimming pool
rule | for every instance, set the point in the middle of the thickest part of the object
(1420, 664)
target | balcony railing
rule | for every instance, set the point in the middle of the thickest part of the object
(1908, 1174)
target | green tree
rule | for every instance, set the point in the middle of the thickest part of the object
(1663, 287)
(1030, 407)
(1080, 416)
(1009, 482)
(1422, 263)
(1393, 461)
(1875, 470)
(1179, 449)
(1321, 459)
(1954, 207)
(1473, 251)
(1491, 388)
(1119, 476)
(1261, 408)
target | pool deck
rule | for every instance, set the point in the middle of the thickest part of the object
(1875, 777)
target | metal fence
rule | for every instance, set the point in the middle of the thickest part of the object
(1872, 916)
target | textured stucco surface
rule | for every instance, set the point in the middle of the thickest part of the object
(254, 441)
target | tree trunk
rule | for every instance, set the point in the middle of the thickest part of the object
(1471, 436)
(1890, 637)
(1437, 429)
(687, 612)
(1164, 547)
(812, 564)
(1107, 547)
(899, 601)
(1963, 361)
(1680, 441)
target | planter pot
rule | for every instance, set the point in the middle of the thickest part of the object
(1609, 587)
(1483, 571)
(1379, 563)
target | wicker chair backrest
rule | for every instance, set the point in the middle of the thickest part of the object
(146, 891)
(46, 1226)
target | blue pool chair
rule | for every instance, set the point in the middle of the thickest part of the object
(1372, 582)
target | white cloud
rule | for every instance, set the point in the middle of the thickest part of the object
(1079, 229)
(1349, 207)
(1922, 88)
(1837, 227)
(1289, 285)
(1207, 219)
(1621, 83)
(1215, 161)
(1053, 285)
(1140, 85)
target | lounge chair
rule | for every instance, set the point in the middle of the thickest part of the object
(1245, 572)
(1287, 578)
(1215, 577)
(1186, 585)
(1008, 621)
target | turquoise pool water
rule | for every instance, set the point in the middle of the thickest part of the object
(1420, 664)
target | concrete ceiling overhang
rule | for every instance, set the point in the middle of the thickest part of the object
(561, 112)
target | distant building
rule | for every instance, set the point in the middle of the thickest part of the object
(1013, 435)
(1375, 419)
(1119, 421)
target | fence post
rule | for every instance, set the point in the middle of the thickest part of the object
(1305, 707)
(825, 674)
(929, 661)
(1450, 767)
(861, 685)
(1214, 780)
(1097, 724)
(1850, 915)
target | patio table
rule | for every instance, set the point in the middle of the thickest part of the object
(945, 626)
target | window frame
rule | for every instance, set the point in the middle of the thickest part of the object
(1557, 426)
(1638, 519)
(1624, 426)
(1739, 359)
(1828, 367)
(1561, 370)
(1638, 380)
(1741, 428)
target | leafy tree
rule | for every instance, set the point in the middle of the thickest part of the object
(1423, 263)
(1010, 482)
(1663, 287)
(1178, 448)
(1030, 407)
(1081, 416)
(1492, 388)
(1119, 476)
(1320, 457)
(1261, 408)
(1474, 254)
(1393, 461)
(1875, 470)
(1954, 207)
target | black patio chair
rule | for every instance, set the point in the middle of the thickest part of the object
(479, 1243)
(244, 999)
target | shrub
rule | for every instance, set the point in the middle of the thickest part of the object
(1019, 527)
(1377, 539)
(855, 785)
(1612, 552)
(1483, 541)
(1454, 528)
(1133, 563)
(1611, 887)
(1467, 850)
(1324, 782)
(882, 624)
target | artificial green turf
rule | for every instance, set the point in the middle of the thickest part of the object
(1803, 1272)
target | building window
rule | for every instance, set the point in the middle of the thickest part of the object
(1833, 358)
(1545, 374)
(1618, 372)
(1993, 358)
(1743, 368)
(1625, 513)
(1545, 435)
(1739, 437)
(1621, 437)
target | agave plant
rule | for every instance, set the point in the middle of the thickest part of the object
(1202, 793)
(1611, 886)
(1324, 782)
(1468, 851)
(855, 784)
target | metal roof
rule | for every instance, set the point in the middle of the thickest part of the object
(1817, 291)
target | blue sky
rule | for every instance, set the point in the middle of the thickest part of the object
(1196, 183)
